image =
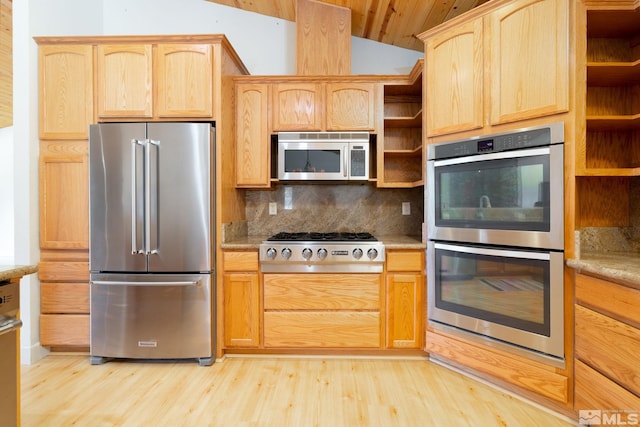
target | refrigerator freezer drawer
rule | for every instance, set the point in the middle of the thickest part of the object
(152, 317)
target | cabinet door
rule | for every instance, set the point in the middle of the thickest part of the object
(184, 74)
(454, 82)
(297, 107)
(241, 310)
(351, 106)
(404, 310)
(64, 195)
(529, 60)
(252, 135)
(66, 91)
(124, 80)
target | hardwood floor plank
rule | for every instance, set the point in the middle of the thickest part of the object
(63, 390)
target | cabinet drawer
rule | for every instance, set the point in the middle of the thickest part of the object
(240, 261)
(609, 346)
(63, 271)
(64, 330)
(322, 291)
(594, 390)
(64, 298)
(609, 297)
(405, 261)
(322, 329)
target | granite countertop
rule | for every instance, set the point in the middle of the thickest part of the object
(620, 266)
(8, 272)
(390, 242)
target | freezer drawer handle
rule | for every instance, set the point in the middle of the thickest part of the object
(9, 325)
(118, 283)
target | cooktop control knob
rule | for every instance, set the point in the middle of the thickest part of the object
(272, 253)
(286, 253)
(307, 253)
(357, 253)
(322, 253)
(372, 253)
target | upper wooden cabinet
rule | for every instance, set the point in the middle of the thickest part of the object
(497, 68)
(66, 82)
(252, 135)
(125, 80)
(351, 106)
(529, 62)
(297, 107)
(162, 80)
(332, 106)
(454, 89)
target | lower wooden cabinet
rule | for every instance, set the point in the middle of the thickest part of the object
(322, 310)
(607, 344)
(241, 289)
(64, 302)
(405, 299)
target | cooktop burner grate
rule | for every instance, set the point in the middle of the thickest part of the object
(322, 237)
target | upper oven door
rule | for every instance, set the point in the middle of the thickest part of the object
(313, 161)
(512, 198)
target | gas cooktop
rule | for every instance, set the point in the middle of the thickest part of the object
(322, 237)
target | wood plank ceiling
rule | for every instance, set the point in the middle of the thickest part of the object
(394, 22)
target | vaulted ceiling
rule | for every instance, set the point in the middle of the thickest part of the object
(394, 22)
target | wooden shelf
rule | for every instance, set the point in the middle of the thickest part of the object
(613, 73)
(402, 122)
(416, 152)
(609, 172)
(613, 123)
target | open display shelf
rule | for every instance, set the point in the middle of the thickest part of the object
(402, 146)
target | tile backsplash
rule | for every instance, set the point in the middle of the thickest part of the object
(334, 207)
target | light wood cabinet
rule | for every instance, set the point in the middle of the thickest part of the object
(184, 75)
(497, 68)
(400, 147)
(454, 84)
(528, 62)
(125, 80)
(64, 195)
(161, 80)
(405, 299)
(253, 139)
(351, 106)
(241, 288)
(322, 311)
(66, 83)
(297, 107)
(607, 342)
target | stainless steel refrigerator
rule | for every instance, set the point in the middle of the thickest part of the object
(152, 242)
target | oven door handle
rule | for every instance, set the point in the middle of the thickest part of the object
(494, 156)
(9, 325)
(545, 256)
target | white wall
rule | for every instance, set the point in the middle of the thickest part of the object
(265, 45)
(6, 195)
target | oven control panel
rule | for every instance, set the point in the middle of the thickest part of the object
(518, 139)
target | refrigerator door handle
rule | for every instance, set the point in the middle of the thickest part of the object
(152, 239)
(120, 283)
(135, 249)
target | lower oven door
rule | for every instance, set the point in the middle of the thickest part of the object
(500, 294)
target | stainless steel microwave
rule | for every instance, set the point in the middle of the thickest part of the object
(323, 156)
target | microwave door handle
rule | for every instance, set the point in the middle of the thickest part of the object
(345, 160)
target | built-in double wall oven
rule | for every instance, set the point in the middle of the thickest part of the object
(495, 226)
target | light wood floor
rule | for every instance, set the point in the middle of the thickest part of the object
(65, 390)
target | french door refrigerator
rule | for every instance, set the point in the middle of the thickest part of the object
(152, 241)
